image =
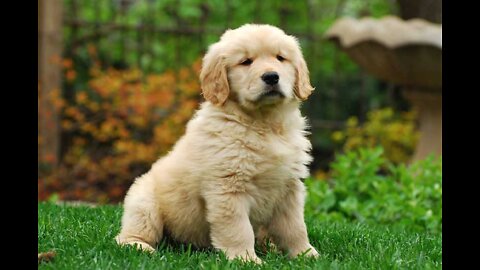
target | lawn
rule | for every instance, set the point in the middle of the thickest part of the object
(82, 238)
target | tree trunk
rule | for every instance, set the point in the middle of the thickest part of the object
(49, 77)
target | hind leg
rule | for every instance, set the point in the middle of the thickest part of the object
(142, 224)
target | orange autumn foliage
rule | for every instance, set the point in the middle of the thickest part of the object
(116, 128)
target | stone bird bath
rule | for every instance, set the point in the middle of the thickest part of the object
(407, 53)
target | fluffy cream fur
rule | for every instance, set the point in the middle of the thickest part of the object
(236, 172)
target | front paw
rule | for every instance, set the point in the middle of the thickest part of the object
(246, 257)
(307, 252)
(312, 252)
(255, 259)
(140, 245)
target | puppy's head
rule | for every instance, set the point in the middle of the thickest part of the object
(256, 66)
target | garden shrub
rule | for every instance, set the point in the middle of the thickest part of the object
(116, 128)
(361, 189)
(395, 132)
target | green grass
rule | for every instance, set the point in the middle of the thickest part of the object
(83, 239)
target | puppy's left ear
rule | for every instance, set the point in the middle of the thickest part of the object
(302, 87)
(213, 77)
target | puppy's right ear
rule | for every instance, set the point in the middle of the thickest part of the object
(213, 77)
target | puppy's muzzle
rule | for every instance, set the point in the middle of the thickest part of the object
(271, 92)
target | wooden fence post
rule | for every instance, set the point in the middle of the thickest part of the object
(49, 77)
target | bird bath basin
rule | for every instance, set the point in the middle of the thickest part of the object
(407, 53)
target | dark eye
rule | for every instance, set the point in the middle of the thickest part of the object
(246, 62)
(280, 58)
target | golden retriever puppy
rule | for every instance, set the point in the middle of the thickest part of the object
(238, 168)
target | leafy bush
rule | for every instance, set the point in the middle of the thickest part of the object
(396, 133)
(361, 189)
(116, 128)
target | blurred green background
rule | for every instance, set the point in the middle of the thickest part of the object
(127, 83)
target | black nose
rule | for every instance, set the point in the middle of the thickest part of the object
(270, 77)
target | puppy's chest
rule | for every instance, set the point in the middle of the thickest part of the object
(283, 165)
(259, 162)
(265, 166)
(275, 156)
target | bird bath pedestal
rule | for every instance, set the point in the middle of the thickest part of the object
(407, 53)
